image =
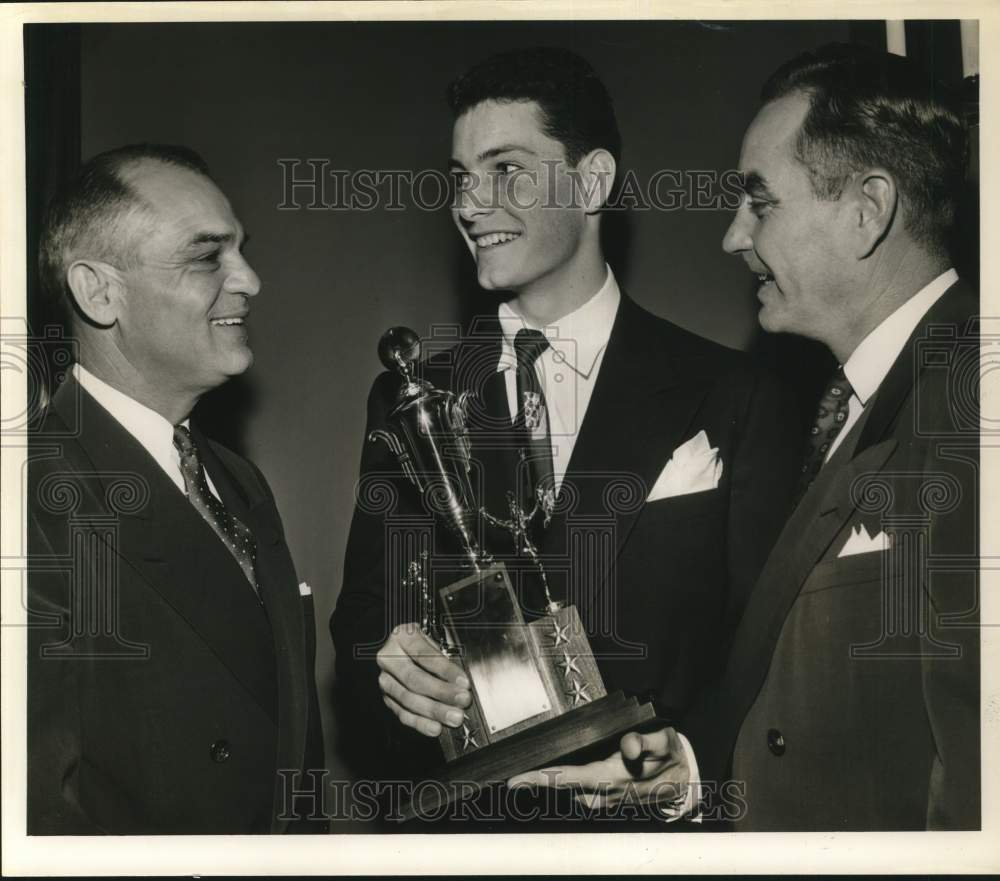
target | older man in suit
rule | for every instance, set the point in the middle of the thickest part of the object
(170, 673)
(851, 698)
(669, 456)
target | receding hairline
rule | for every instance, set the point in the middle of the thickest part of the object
(142, 208)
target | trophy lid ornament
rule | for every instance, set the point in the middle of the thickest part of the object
(399, 350)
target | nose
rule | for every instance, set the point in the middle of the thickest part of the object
(474, 198)
(739, 236)
(242, 279)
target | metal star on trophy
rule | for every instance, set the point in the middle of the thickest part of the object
(537, 694)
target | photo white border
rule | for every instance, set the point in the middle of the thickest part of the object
(583, 854)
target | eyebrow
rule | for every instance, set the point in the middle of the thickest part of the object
(495, 151)
(215, 238)
(755, 184)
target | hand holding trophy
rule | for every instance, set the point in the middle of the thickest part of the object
(528, 693)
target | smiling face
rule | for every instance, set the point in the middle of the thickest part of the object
(511, 175)
(181, 322)
(795, 243)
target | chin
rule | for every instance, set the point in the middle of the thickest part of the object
(240, 364)
(492, 281)
(767, 321)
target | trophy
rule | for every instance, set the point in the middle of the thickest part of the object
(537, 694)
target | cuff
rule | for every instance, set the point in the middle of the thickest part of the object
(684, 807)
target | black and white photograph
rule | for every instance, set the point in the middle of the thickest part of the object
(478, 421)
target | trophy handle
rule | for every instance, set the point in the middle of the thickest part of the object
(402, 456)
(459, 412)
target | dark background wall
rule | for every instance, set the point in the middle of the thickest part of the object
(370, 95)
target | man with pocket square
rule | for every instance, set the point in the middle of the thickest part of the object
(170, 665)
(670, 457)
(851, 697)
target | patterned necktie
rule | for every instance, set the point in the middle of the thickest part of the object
(830, 419)
(233, 532)
(532, 423)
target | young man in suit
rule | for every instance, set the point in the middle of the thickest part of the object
(851, 698)
(170, 668)
(657, 558)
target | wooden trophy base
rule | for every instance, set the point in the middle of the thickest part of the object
(534, 747)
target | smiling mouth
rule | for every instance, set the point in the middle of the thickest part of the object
(495, 239)
(227, 322)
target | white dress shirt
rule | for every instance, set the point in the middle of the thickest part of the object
(874, 356)
(147, 426)
(567, 370)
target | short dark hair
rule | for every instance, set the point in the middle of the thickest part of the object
(576, 108)
(88, 216)
(870, 108)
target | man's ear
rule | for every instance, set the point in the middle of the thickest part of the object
(97, 290)
(597, 176)
(876, 202)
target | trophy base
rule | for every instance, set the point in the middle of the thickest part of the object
(532, 748)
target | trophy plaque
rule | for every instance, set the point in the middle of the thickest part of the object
(537, 694)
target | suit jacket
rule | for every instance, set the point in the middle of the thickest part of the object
(851, 700)
(658, 585)
(163, 696)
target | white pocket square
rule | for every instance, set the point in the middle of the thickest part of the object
(694, 467)
(305, 590)
(860, 542)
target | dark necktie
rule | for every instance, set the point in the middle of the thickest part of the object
(830, 419)
(233, 532)
(532, 422)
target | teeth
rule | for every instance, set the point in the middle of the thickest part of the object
(763, 277)
(495, 238)
(226, 322)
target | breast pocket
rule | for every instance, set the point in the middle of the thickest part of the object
(858, 569)
(690, 506)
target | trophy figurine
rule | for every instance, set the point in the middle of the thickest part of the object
(537, 694)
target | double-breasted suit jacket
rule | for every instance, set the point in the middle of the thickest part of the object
(163, 695)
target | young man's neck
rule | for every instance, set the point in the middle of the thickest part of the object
(549, 299)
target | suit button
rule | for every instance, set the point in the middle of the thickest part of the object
(220, 751)
(776, 742)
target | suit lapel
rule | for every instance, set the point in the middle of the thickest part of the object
(171, 547)
(642, 405)
(814, 524)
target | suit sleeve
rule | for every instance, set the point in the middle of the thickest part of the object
(373, 741)
(765, 469)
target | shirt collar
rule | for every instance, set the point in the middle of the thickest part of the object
(147, 426)
(576, 339)
(871, 361)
